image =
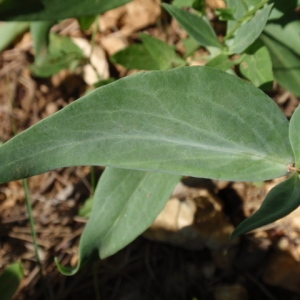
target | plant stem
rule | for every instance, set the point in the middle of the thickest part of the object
(96, 282)
(243, 18)
(47, 289)
(93, 40)
(93, 179)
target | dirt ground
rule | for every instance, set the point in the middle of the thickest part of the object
(164, 263)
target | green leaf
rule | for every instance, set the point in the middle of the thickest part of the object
(281, 200)
(154, 54)
(10, 280)
(286, 31)
(198, 27)
(126, 203)
(62, 53)
(9, 31)
(104, 82)
(194, 121)
(136, 57)
(294, 135)
(86, 21)
(183, 3)
(225, 14)
(42, 10)
(239, 9)
(86, 209)
(164, 54)
(199, 5)
(257, 66)
(196, 4)
(286, 64)
(190, 45)
(222, 62)
(40, 31)
(249, 31)
(282, 8)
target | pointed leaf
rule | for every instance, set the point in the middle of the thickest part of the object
(126, 203)
(195, 121)
(295, 136)
(198, 27)
(250, 31)
(41, 10)
(281, 200)
(257, 66)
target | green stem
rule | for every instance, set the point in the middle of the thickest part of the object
(96, 282)
(93, 41)
(47, 289)
(241, 20)
(93, 179)
(48, 295)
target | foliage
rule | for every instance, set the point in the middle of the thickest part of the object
(126, 204)
(151, 128)
(41, 10)
(140, 123)
(10, 280)
(9, 31)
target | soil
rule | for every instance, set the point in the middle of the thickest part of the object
(262, 265)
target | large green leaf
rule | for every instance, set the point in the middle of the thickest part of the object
(249, 31)
(286, 64)
(257, 66)
(198, 27)
(39, 10)
(295, 136)
(126, 203)
(10, 280)
(195, 121)
(281, 200)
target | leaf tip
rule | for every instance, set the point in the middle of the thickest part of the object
(68, 271)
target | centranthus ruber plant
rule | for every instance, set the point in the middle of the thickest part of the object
(150, 129)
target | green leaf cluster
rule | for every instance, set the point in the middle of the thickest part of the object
(152, 54)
